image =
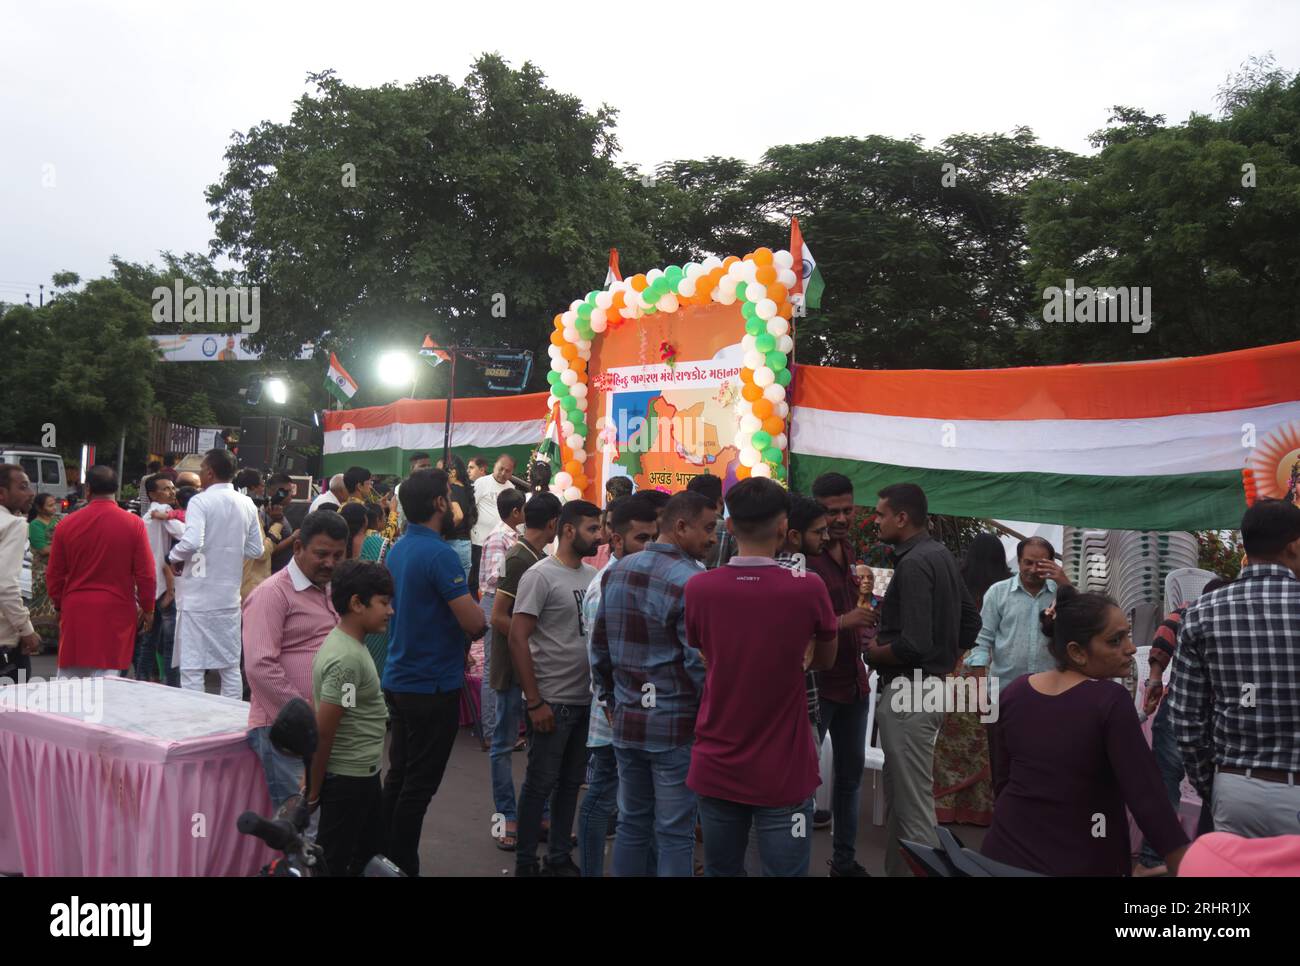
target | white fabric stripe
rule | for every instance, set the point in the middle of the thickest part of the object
(429, 435)
(1158, 446)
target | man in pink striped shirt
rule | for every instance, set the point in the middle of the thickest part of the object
(285, 620)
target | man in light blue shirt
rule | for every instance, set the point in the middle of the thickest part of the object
(1011, 641)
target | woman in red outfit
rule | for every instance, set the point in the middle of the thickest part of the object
(101, 580)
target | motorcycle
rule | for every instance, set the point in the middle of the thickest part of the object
(952, 860)
(294, 733)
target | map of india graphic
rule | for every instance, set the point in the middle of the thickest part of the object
(676, 434)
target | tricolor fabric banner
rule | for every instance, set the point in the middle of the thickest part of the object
(1171, 444)
(383, 438)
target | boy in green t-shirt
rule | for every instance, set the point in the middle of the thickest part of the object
(351, 717)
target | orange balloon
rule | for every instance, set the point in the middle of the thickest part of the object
(762, 407)
(751, 392)
(776, 291)
(773, 425)
(729, 261)
(785, 310)
(580, 482)
(559, 322)
(557, 338)
(638, 282)
(747, 376)
(578, 363)
(569, 351)
(766, 275)
(742, 471)
(616, 302)
(573, 468)
(762, 256)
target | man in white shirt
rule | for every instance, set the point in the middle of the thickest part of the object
(160, 500)
(221, 530)
(335, 495)
(18, 640)
(486, 490)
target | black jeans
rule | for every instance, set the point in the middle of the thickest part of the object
(349, 831)
(15, 666)
(475, 556)
(159, 641)
(557, 764)
(423, 731)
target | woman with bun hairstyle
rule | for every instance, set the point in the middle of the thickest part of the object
(1069, 754)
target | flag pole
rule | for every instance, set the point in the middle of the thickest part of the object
(451, 397)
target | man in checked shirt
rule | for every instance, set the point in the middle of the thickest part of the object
(1236, 683)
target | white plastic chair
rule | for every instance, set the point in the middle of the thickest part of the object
(1184, 585)
(875, 761)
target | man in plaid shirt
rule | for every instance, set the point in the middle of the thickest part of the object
(492, 561)
(652, 679)
(1236, 683)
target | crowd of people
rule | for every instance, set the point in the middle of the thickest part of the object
(683, 656)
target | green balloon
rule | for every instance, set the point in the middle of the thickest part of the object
(674, 274)
(772, 455)
(552, 377)
(775, 360)
(584, 310)
(754, 327)
(761, 440)
(740, 291)
(570, 403)
(764, 343)
(580, 429)
(748, 311)
(591, 297)
(561, 391)
(783, 377)
(780, 471)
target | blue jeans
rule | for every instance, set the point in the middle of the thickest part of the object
(509, 707)
(597, 806)
(462, 548)
(557, 762)
(284, 773)
(157, 642)
(847, 724)
(655, 809)
(784, 841)
(1170, 762)
(487, 696)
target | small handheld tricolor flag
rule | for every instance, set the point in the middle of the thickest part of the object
(613, 275)
(808, 282)
(433, 353)
(338, 382)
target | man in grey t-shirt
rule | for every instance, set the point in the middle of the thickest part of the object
(548, 645)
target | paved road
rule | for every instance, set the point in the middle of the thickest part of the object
(457, 829)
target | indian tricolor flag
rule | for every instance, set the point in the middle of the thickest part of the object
(613, 275)
(383, 438)
(338, 382)
(1173, 444)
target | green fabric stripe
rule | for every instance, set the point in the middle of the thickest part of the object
(1191, 501)
(393, 461)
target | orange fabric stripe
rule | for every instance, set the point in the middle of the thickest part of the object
(490, 409)
(1134, 390)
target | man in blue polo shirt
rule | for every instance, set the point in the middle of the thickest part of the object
(434, 620)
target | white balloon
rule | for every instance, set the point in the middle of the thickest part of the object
(782, 408)
(572, 493)
(736, 270)
(562, 480)
(692, 269)
(584, 354)
(668, 303)
(725, 298)
(761, 469)
(753, 359)
(553, 351)
(710, 263)
(551, 400)
(787, 278)
(746, 344)
(778, 326)
(597, 315)
(765, 308)
(784, 344)
(780, 440)
(573, 441)
(579, 391)
(603, 300)
(764, 377)
(750, 423)
(755, 292)
(579, 454)
(559, 364)
(598, 325)
(582, 403)
(653, 274)
(748, 456)
(570, 334)
(569, 377)
(566, 427)
(573, 307)
(628, 312)
(583, 345)
(782, 259)
(686, 287)
(750, 271)
(773, 393)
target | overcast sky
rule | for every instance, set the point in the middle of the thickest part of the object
(114, 116)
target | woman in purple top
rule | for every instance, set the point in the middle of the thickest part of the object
(1069, 754)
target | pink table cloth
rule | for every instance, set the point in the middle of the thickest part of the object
(126, 778)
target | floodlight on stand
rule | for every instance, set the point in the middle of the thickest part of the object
(396, 369)
(277, 390)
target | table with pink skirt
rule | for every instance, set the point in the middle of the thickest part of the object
(109, 776)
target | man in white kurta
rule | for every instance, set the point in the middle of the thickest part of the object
(221, 530)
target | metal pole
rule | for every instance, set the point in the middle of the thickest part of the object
(451, 397)
(121, 459)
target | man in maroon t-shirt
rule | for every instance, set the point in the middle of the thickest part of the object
(843, 688)
(759, 626)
